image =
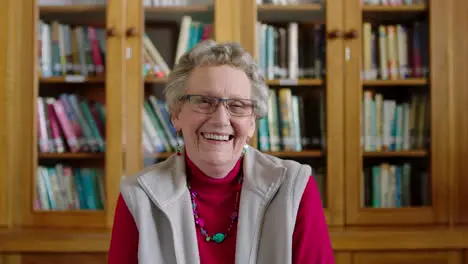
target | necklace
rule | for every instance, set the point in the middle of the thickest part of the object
(217, 237)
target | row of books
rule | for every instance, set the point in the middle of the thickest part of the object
(394, 186)
(80, 50)
(71, 2)
(62, 187)
(191, 33)
(392, 2)
(68, 50)
(291, 51)
(393, 52)
(388, 125)
(288, 2)
(70, 124)
(284, 128)
(176, 2)
(158, 133)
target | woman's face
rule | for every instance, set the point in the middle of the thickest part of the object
(211, 133)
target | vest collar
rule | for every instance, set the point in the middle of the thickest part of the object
(167, 181)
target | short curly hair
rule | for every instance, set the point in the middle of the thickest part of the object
(211, 53)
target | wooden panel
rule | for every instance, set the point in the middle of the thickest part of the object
(343, 258)
(115, 82)
(365, 239)
(134, 89)
(10, 259)
(408, 257)
(227, 21)
(440, 86)
(3, 151)
(69, 258)
(353, 95)
(11, 105)
(397, 238)
(335, 113)
(54, 240)
(459, 103)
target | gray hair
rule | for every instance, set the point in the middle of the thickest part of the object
(211, 53)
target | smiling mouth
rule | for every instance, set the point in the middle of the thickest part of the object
(217, 136)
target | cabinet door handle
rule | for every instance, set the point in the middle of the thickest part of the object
(352, 34)
(334, 34)
(111, 32)
(131, 32)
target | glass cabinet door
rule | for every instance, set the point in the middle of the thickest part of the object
(167, 30)
(298, 47)
(73, 107)
(391, 106)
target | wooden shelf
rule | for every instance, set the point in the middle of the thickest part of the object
(294, 154)
(72, 79)
(161, 155)
(71, 155)
(298, 82)
(69, 212)
(68, 219)
(179, 9)
(280, 82)
(175, 13)
(284, 13)
(402, 82)
(155, 80)
(289, 8)
(404, 153)
(97, 239)
(401, 8)
(393, 216)
(72, 9)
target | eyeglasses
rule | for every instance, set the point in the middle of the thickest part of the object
(209, 104)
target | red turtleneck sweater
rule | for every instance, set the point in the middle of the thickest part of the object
(216, 198)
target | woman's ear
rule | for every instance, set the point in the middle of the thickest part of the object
(174, 116)
(252, 127)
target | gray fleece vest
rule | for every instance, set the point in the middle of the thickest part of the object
(160, 203)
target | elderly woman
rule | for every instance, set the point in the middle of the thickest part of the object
(217, 200)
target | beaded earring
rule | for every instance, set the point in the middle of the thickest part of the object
(244, 149)
(177, 147)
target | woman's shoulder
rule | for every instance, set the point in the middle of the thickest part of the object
(289, 164)
(150, 174)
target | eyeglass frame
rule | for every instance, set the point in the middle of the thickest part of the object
(187, 97)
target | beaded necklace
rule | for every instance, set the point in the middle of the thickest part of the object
(217, 237)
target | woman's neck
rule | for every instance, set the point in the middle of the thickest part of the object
(211, 169)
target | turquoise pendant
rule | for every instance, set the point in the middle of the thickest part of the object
(218, 238)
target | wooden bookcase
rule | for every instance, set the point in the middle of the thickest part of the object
(334, 117)
(431, 85)
(313, 88)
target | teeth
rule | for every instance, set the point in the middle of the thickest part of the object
(216, 137)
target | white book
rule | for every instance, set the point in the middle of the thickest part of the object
(293, 51)
(184, 35)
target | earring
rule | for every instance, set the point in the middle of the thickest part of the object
(244, 149)
(178, 148)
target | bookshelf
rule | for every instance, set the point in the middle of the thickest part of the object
(70, 107)
(347, 83)
(395, 118)
(304, 78)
